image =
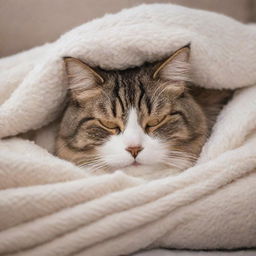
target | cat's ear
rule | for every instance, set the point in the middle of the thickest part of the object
(80, 75)
(176, 67)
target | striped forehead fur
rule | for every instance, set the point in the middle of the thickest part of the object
(175, 68)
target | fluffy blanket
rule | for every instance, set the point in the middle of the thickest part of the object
(50, 207)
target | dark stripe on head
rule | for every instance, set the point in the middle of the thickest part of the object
(125, 95)
(116, 92)
(148, 103)
(147, 99)
(113, 107)
(142, 92)
(130, 92)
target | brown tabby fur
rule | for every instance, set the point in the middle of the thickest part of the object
(177, 112)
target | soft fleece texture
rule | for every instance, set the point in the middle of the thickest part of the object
(50, 207)
(164, 252)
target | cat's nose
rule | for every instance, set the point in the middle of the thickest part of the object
(134, 151)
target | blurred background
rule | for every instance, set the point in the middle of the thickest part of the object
(28, 23)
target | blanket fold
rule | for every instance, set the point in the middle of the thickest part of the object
(48, 206)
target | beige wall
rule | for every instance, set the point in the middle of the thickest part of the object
(27, 23)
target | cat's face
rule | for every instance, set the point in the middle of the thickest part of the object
(139, 116)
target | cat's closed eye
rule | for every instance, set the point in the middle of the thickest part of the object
(114, 127)
(155, 122)
(175, 113)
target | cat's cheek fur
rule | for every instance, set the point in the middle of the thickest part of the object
(154, 152)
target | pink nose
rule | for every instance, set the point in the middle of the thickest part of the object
(134, 151)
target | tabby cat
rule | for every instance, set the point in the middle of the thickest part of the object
(148, 116)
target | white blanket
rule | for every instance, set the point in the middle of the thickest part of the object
(50, 207)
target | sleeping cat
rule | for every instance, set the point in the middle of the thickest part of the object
(148, 117)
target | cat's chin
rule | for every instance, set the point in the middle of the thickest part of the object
(149, 172)
(134, 164)
(146, 172)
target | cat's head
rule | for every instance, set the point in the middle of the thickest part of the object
(139, 116)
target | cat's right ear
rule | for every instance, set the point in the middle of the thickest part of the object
(176, 67)
(80, 75)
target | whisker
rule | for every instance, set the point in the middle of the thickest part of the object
(95, 164)
(87, 161)
(178, 159)
(173, 165)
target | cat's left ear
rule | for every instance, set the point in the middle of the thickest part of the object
(80, 75)
(176, 67)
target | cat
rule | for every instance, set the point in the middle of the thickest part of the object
(150, 116)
